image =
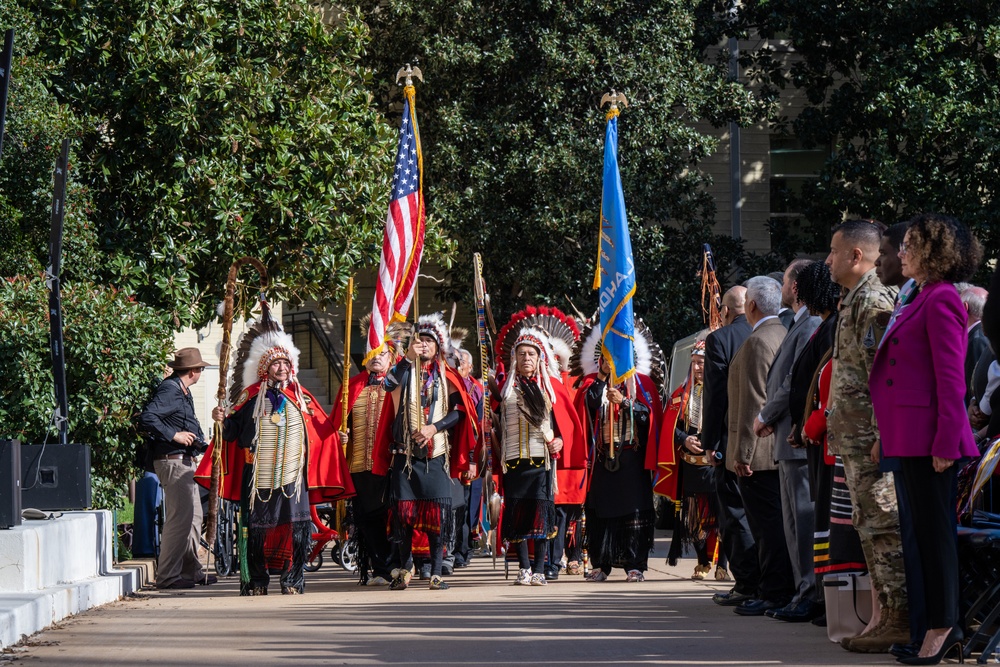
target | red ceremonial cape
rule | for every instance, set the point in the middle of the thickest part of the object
(327, 473)
(463, 436)
(648, 395)
(666, 457)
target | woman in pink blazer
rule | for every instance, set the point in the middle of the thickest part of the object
(917, 385)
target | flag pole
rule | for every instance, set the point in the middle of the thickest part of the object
(347, 354)
(614, 98)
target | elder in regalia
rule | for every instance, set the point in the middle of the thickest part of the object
(537, 431)
(280, 455)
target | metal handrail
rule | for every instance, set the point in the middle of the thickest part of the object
(309, 323)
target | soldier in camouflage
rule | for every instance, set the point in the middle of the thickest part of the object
(852, 431)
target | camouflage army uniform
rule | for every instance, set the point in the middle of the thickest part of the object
(852, 431)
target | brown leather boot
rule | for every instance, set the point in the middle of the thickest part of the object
(893, 627)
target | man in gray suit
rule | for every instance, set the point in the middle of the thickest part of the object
(797, 509)
(751, 457)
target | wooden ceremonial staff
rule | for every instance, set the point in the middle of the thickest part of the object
(347, 355)
(212, 521)
(485, 426)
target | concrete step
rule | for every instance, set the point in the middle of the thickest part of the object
(54, 568)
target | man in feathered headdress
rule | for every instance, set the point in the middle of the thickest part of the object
(366, 399)
(623, 431)
(280, 455)
(536, 427)
(691, 479)
(426, 436)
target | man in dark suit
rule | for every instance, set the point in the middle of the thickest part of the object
(737, 541)
(974, 298)
(793, 469)
(751, 457)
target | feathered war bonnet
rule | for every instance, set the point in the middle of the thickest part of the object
(648, 355)
(560, 329)
(547, 364)
(433, 326)
(263, 343)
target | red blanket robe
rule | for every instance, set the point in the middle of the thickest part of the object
(464, 436)
(648, 396)
(327, 475)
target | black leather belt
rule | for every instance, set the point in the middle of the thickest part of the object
(172, 457)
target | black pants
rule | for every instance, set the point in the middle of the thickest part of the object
(932, 498)
(374, 533)
(915, 597)
(734, 533)
(566, 516)
(761, 493)
(524, 561)
(404, 554)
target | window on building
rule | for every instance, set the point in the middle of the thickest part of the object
(794, 169)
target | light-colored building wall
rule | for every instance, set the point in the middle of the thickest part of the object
(208, 340)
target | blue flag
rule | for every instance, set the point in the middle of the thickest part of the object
(615, 277)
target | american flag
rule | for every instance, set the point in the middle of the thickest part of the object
(403, 242)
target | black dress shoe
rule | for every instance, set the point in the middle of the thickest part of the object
(800, 613)
(730, 599)
(819, 621)
(905, 650)
(551, 574)
(756, 607)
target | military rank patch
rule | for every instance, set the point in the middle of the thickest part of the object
(869, 339)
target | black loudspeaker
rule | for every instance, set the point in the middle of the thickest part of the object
(10, 483)
(55, 477)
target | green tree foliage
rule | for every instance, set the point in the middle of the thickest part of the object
(35, 128)
(513, 140)
(116, 351)
(217, 130)
(905, 94)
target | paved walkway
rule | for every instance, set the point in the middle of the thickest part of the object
(481, 620)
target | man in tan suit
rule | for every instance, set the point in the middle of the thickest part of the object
(750, 457)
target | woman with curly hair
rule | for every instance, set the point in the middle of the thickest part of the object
(917, 385)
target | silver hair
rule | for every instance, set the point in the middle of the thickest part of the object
(766, 293)
(975, 300)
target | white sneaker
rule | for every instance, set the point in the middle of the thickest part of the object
(523, 577)
(378, 581)
(538, 580)
(635, 576)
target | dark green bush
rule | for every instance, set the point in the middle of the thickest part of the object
(115, 354)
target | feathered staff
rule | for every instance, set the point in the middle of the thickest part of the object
(220, 395)
(482, 312)
(711, 291)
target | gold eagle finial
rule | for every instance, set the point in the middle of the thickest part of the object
(615, 99)
(409, 73)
